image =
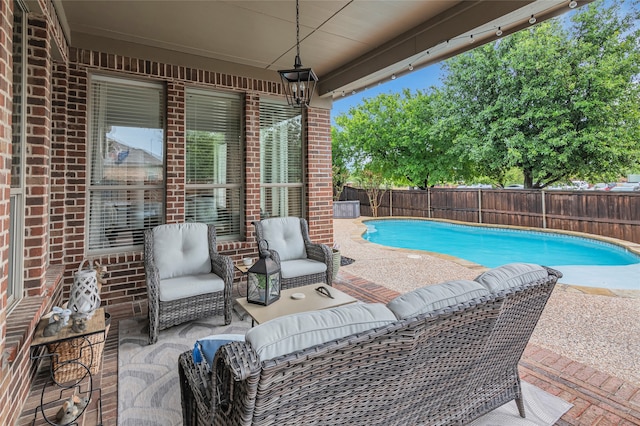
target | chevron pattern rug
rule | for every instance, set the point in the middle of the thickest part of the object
(149, 390)
(148, 386)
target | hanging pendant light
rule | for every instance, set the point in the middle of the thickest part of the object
(299, 83)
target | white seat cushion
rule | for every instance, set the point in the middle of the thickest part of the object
(284, 235)
(181, 249)
(511, 275)
(171, 289)
(299, 267)
(292, 333)
(433, 298)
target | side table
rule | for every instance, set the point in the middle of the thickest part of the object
(244, 270)
(72, 357)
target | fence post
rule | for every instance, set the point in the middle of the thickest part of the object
(544, 211)
(428, 202)
(479, 205)
(390, 202)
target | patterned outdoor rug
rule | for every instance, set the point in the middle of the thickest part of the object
(148, 386)
(149, 390)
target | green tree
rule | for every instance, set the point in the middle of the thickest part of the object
(392, 135)
(554, 101)
(340, 159)
(373, 184)
(204, 154)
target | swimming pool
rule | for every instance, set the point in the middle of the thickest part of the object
(493, 247)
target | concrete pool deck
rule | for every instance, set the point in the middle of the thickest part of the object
(605, 280)
(594, 326)
(622, 281)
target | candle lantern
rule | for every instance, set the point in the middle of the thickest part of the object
(263, 281)
(84, 297)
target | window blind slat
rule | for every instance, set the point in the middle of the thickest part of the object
(127, 157)
(214, 165)
(119, 108)
(281, 170)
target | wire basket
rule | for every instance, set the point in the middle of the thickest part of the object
(71, 359)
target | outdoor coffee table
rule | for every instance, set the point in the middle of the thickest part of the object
(286, 305)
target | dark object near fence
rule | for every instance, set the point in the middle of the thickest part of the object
(346, 209)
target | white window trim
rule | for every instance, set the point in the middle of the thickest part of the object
(16, 194)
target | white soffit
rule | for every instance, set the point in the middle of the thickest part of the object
(350, 44)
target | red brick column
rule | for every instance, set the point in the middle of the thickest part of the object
(74, 165)
(319, 192)
(252, 164)
(176, 152)
(57, 209)
(38, 130)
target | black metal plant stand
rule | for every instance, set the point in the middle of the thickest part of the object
(70, 356)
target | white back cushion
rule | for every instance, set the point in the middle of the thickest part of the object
(511, 275)
(292, 333)
(284, 235)
(181, 249)
(435, 297)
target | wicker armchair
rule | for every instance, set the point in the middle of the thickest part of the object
(301, 261)
(186, 276)
(445, 366)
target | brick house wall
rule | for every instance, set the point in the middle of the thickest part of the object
(6, 76)
(41, 284)
(38, 130)
(56, 176)
(125, 291)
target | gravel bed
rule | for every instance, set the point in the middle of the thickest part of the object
(600, 331)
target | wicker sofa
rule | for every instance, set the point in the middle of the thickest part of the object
(447, 355)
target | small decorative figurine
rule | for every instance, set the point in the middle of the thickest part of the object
(101, 274)
(55, 325)
(79, 325)
(68, 412)
(81, 403)
(63, 313)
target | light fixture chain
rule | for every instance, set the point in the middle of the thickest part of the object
(297, 28)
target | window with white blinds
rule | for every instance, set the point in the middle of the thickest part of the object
(281, 174)
(126, 186)
(214, 166)
(18, 142)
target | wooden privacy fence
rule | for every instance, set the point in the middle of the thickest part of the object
(610, 214)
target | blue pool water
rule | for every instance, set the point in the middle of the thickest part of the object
(493, 247)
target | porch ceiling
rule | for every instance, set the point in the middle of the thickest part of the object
(350, 44)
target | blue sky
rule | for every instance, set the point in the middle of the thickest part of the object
(421, 79)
